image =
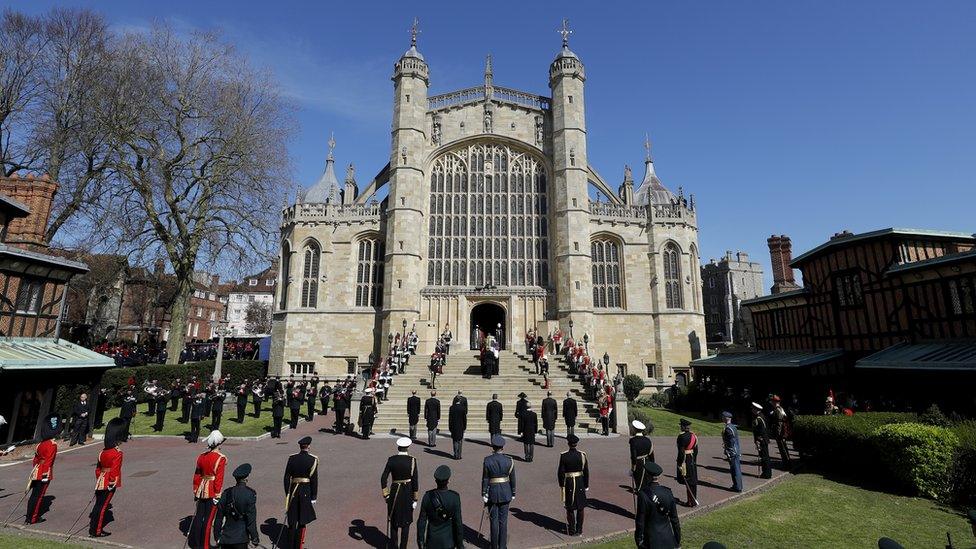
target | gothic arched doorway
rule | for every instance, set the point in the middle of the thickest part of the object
(488, 318)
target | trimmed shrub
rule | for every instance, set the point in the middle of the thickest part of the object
(964, 468)
(934, 416)
(115, 379)
(634, 412)
(633, 385)
(918, 456)
(844, 442)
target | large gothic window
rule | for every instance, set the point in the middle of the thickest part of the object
(500, 202)
(605, 254)
(369, 273)
(285, 275)
(672, 276)
(310, 275)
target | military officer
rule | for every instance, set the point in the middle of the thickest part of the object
(310, 396)
(530, 425)
(217, 406)
(688, 462)
(296, 396)
(493, 415)
(400, 486)
(339, 406)
(413, 414)
(730, 446)
(549, 411)
(237, 512)
(42, 473)
(108, 476)
(760, 436)
(520, 405)
(573, 476)
(498, 490)
(208, 481)
(439, 523)
(126, 412)
(277, 412)
(569, 413)
(657, 525)
(197, 412)
(456, 423)
(301, 490)
(779, 426)
(367, 412)
(241, 400)
(432, 415)
(641, 451)
(324, 394)
(161, 397)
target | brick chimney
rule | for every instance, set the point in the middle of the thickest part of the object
(781, 254)
(37, 193)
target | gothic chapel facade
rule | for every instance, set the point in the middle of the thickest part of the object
(488, 220)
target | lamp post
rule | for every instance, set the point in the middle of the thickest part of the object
(221, 332)
(606, 360)
(404, 324)
(571, 328)
(586, 342)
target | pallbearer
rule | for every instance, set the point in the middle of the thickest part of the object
(301, 490)
(208, 481)
(108, 476)
(573, 476)
(641, 451)
(43, 472)
(400, 490)
(688, 462)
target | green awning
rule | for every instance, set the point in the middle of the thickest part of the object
(957, 355)
(768, 359)
(27, 353)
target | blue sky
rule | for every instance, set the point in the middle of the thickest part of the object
(800, 118)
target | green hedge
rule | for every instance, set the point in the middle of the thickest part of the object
(919, 456)
(843, 442)
(239, 370)
(964, 467)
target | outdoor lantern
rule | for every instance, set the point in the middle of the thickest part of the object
(606, 359)
(404, 325)
(586, 339)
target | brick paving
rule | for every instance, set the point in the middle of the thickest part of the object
(156, 499)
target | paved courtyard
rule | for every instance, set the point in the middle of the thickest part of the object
(156, 501)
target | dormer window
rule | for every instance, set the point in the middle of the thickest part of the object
(252, 282)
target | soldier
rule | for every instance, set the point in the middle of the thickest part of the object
(186, 402)
(549, 411)
(42, 473)
(367, 412)
(688, 462)
(277, 412)
(530, 425)
(657, 525)
(569, 413)
(242, 391)
(296, 396)
(257, 398)
(779, 425)
(108, 476)
(310, 397)
(760, 435)
(208, 481)
(573, 476)
(730, 446)
(198, 410)
(641, 451)
(100, 405)
(161, 396)
(301, 491)
(432, 415)
(217, 406)
(127, 412)
(339, 406)
(493, 415)
(79, 420)
(520, 405)
(460, 398)
(413, 413)
(498, 490)
(236, 521)
(400, 489)
(439, 523)
(324, 394)
(175, 391)
(457, 423)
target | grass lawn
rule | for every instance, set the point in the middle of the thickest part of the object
(666, 422)
(27, 541)
(142, 424)
(809, 510)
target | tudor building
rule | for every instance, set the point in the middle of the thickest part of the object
(482, 216)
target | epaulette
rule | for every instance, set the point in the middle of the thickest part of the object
(314, 456)
(564, 453)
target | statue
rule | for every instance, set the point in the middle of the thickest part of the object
(538, 130)
(487, 121)
(435, 136)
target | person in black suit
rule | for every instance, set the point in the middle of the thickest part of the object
(463, 401)
(236, 519)
(79, 420)
(530, 424)
(493, 415)
(413, 413)
(432, 415)
(301, 490)
(457, 423)
(569, 413)
(573, 475)
(401, 487)
(549, 411)
(520, 405)
(656, 524)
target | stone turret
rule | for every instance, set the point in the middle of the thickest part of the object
(350, 189)
(626, 190)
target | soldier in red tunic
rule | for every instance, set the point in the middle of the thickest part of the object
(43, 472)
(208, 481)
(108, 476)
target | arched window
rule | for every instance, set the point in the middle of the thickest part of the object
(369, 273)
(672, 276)
(285, 275)
(310, 275)
(605, 272)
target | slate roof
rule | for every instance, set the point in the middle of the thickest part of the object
(769, 359)
(954, 355)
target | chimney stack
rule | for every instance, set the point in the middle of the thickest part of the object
(781, 254)
(37, 193)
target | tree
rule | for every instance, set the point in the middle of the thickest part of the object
(198, 141)
(257, 318)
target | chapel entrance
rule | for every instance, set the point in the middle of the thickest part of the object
(488, 318)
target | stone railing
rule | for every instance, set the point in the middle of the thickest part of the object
(471, 95)
(521, 98)
(333, 212)
(458, 97)
(669, 211)
(619, 211)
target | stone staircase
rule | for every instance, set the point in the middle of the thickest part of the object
(516, 374)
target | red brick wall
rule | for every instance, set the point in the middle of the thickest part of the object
(37, 193)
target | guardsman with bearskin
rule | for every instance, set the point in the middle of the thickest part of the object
(208, 481)
(401, 488)
(301, 490)
(108, 476)
(688, 462)
(574, 480)
(641, 451)
(42, 473)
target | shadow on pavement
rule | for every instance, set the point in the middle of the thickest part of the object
(370, 535)
(542, 521)
(274, 530)
(601, 505)
(184, 524)
(472, 538)
(438, 453)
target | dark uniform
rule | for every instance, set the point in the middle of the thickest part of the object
(186, 402)
(530, 424)
(197, 411)
(367, 414)
(569, 415)
(439, 523)
(301, 489)
(730, 446)
(519, 410)
(277, 414)
(339, 405)
(760, 436)
(241, 403)
(400, 489)
(236, 521)
(324, 399)
(161, 397)
(413, 415)
(493, 415)
(457, 423)
(573, 476)
(549, 412)
(217, 408)
(657, 525)
(310, 402)
(175, 392)
(295, 399)
(687, 462)
(256, 400)
(432, 415)
(641, 451)
(498, 489)
(127, 412)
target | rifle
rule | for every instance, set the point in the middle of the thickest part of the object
(73, 524)
(7, 520)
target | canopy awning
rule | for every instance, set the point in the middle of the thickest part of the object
(26, 353)
(960, 356)
(768, 359)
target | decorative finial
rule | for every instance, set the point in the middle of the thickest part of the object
(414, 31)
(489, 87)
(350, 172)
(488, 65)
(647, 148)
(565, 31)
(331, 146)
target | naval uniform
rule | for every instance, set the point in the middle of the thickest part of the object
(498, 486)
(573, 476)
(641, 451)
(301, 489)
(400, 486)
(208, 480)
(367, 414)
(760, 435)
